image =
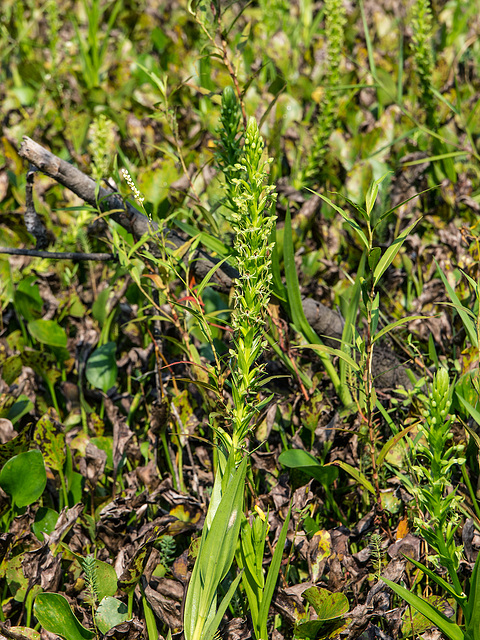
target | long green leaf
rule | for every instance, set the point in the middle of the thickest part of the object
(391, 443)
(215, 623)
(321, 348)
(293, 286)
(446, 626)
(298, 315)
(278, 287)
(355, 473)
(462, 312)
(353, 223)
(397, 206)
(271, 580)
(391, 252)
(217, 549)
(207, 278)
(213, 244)
(471, 409)
(458, 597)
(472, 610)
(372, 193)
(394, 325)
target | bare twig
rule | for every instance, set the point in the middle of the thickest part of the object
(323, 320)
(121, 212)
(33, 222)
(58, 255)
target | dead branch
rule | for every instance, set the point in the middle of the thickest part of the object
(323, 320)
(58, 255)
(33, 222)
(125, 214)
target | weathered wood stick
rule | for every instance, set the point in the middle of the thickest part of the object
(121, 212)
(324, 321)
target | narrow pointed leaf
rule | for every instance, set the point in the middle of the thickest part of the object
(446, 626)
(394, 325)
(353, 223)
(355, 473)
(462, 312)
(391, 443)
(389, 255)
(272, 576)
(215, 623)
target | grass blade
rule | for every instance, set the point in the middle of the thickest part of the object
(389, 255)
(272, 577)
(462, 312)
(446, 626)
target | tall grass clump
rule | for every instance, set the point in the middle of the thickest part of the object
(335, 20)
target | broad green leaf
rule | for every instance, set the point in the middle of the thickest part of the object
(327, 605)
(11, 369)
(24, 478)
(106, 580)
(42, 362)
(27, 299)
(55, 615)
(300, 459)
(373, 258)
(16, 580)
(48, 332)
(21, 406)
(100, 306)
(16, 445)
(51, 442)
(446, 625)
(101, 369)
(45, 521)
(25, 632)
(110, 612)
(134, 571)
(356, 475)
(389, 255)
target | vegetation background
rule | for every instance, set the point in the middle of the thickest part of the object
(115, 373)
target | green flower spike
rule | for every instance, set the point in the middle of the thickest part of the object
(253, 223)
